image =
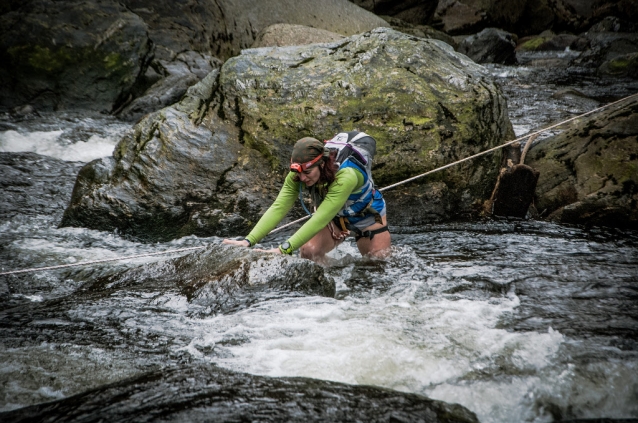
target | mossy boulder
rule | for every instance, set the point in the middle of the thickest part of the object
(62, 54)
(625, 65)
(212, 164)
(589, 172)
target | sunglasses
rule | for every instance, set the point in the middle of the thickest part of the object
(300, 167)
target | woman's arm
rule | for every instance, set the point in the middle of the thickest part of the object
(277, 211)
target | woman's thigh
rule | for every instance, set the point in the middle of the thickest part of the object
(319, 245)
(379, 245)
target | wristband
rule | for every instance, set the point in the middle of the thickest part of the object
(250, 244)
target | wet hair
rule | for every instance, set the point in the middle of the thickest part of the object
(328, 171)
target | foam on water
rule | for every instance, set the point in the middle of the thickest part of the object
(401, 339)
(52, 144)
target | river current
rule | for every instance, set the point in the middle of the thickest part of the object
(515, 320)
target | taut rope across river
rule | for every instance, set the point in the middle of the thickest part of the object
(179, 250)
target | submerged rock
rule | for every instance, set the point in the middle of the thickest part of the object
(213, 163)
(589, 173)
(223, 279)
(204, 392)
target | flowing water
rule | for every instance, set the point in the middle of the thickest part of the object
(515, 320)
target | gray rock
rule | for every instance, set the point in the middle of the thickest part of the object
(199, 392)
(588, 173)
(212, 164)
(606, 46)
(65, 54)
(224, 279)
(490, 46)
(548, 41)
(625, 65)
(279, 35)
(186, 70)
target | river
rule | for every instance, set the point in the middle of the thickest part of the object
(515, 320)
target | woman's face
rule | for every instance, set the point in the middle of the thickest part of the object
(310, 176)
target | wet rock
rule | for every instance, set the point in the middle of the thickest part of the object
(25, 185)
(214, 162)
(490, 46)
(605, 47)
(171, 82)
(625, 65)
(196, 392)
(65, 54)
(588, 173)
(223, 279)
(293, 35)
(417, 12)
(217, 279)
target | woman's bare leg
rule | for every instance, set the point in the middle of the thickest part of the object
(318, 246)
(379, 246)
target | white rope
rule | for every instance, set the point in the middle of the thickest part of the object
(35, 269)
(61, 266)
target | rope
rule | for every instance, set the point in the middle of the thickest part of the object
(533, 134)
(84, 263)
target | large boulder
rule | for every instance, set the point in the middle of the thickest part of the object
(66, 54)
(95, 55)
(214, 162)
(589, 173)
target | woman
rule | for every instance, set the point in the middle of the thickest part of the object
(348, 202)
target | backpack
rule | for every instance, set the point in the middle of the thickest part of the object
(356, 147)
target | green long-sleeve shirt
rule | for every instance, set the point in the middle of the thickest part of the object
(347, 181)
